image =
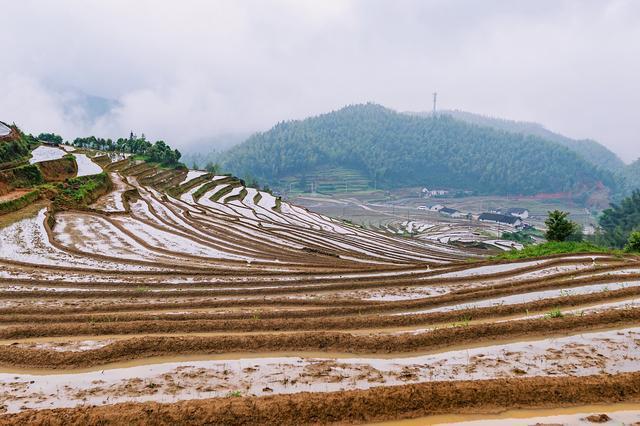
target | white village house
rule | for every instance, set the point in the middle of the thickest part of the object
(426, 193)
(446, 211)
(501, 219)
(518, 212)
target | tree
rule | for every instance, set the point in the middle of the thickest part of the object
(212, 167)
(162, 153)
(50, 137)
(621, 219)
(558, 226)
(577, 234)
(633, 244)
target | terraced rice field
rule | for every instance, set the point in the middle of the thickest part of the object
(46, 153)
(189, 298)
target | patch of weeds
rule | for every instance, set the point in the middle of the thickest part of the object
(555, 313)
(554, 247)
(463, 322)
(234, 394)
(518, 371)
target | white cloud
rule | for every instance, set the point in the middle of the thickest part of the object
(182, 71)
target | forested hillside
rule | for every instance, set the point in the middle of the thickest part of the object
(632, 176)
(590, 150)
(397, 150)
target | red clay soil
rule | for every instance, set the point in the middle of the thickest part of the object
(5, 188)
(354, 407)
(12, 195)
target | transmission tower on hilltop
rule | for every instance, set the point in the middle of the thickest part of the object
(435, 97)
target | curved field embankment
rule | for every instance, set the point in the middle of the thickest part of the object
(436, 339)
(174, 264)
(357, 406)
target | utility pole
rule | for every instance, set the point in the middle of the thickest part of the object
(435, 97)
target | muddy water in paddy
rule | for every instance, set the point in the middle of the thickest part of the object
(86, 166)
(530, 297)
(196, 245)
(45, 153)
(490, 269)
(617, 414)
(183, 378)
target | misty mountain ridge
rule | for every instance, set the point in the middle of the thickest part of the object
(397, 149)
(82, 106)
(209, 150)
(589, 149)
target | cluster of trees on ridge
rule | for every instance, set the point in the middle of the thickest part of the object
(50, 137)
(399, 150)
(158, 152)
(631, 175)
(621, 221)
(619, 226)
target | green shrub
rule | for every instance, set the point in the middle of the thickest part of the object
(555, 313)
(82, 190)
(14, 149)
(23, 176)
(18, 203)
(518, 236)
(633, 243)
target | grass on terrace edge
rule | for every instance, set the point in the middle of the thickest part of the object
(554, 247)
(166, 166)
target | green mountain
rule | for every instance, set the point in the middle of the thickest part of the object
(590, 150)
(396, 150)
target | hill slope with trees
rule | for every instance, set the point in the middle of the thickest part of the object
(398, 150)
(631, 176)
(590, 150)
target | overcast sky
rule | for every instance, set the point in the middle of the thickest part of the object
(184, 70)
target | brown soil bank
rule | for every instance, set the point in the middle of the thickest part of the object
(60, 169)
(353, 407)
(145, 347)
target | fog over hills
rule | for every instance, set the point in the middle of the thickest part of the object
(237, 67)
